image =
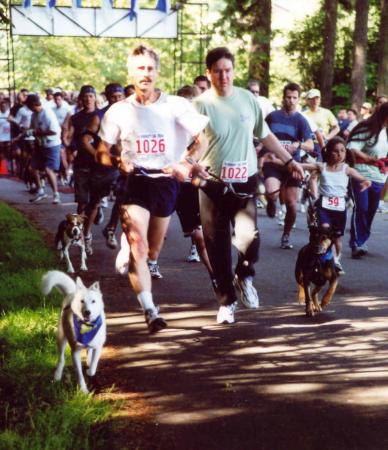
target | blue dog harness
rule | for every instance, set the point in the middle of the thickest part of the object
(86, 331)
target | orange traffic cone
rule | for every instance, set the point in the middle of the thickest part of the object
(3, 167)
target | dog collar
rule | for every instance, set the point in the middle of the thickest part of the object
(86, 331)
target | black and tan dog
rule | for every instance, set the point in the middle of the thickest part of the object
(315, 266)
(70, 232)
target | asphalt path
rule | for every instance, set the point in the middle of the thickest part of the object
(274, 380)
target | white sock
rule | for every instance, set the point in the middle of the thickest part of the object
(337, 258)
(153, 261)
(145, 300)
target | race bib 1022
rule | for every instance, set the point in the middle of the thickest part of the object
(234, 172)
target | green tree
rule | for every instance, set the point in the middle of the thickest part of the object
(382, 72)
(360, 46)
(249, 21)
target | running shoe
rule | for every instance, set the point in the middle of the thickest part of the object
(285, 242)
(154, 322)
(39, 196)
(56, 198)
(104, 202)
(155, 270)
(193, 257)
(88, 245)
(111, 241)
(226, 314)
(248, 293)
(122, 258)
(338, 268)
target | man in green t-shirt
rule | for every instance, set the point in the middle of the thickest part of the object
(228, 196)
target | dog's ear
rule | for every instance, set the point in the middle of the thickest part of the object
(79, 283)
(95, 286)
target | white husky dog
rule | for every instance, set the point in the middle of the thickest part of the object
(81, 322)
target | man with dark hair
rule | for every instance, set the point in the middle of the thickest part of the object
(228, 198)
(294, 134)
(202, 83)
(46, 156)
(152, 128)
(84, 157)
(102, 178)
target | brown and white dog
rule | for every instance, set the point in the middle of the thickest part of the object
(70, 233)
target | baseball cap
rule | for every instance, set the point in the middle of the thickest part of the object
(312, 93)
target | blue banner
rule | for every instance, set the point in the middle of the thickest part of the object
(51, 3)
(133, 10)
(163, 6)
(26, 3)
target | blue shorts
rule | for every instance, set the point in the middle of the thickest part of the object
(157, 195)
(46, 157)
(336, 219)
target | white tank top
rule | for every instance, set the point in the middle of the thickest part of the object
(333, 184)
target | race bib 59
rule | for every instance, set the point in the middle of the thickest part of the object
(333, 203)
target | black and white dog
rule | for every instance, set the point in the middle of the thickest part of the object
(70, 232)
(81, 323)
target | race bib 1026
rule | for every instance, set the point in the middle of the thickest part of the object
(154, 144)
(333, 203)
(234, 172)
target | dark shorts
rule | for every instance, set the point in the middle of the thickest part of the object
(336, 219)
(271, 170)
(93, 183)
(157, 195)
(187, 208)
(102, 180)
(46, 157)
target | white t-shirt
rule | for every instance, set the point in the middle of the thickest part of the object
(46, 120)
(61, 112)
(23, 117)
(265, 105)
(5, 127)
(155, 135)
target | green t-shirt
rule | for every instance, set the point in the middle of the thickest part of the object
(379, 150)
(234, 120)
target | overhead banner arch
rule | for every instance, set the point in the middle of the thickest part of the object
(106, 21)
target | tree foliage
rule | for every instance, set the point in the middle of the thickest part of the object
(250, 22)
(306, 43)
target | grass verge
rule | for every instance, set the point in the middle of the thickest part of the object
(36, 414)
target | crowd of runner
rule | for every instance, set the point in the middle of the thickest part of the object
(214, 152)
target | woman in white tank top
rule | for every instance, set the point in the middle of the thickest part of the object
(333, 178)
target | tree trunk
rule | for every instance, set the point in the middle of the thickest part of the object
(360, 41)
(382, 69)
(327, 69)
(259, 52)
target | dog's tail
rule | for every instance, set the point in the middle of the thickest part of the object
(55, 278)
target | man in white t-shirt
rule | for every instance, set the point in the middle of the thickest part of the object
(46, 129)
(153, 130)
